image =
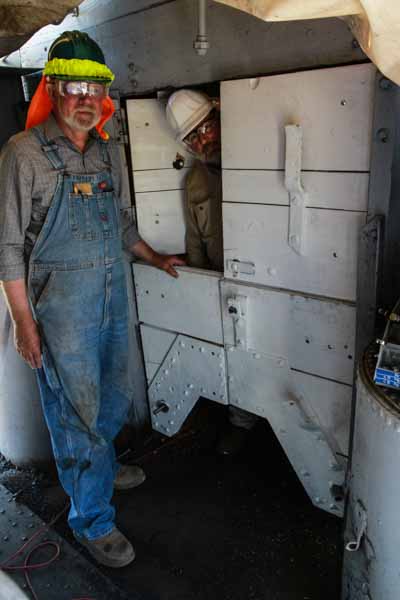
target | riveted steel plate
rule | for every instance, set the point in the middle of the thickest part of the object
(17, 524)
(191, 369)
(189, 305)
(264, 385)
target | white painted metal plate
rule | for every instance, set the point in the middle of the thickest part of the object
(161, 221)
(191, 369)
(329, 403)
(160, 180)
(315, 335)
(328, 267)
(263, 384)
(189, 305)
(342, 191)
(153, 145)
(156, 344)
(334, 107)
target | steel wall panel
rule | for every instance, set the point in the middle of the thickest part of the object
(190, 304)
(333, 106)
(263, 384)
(159, 180)
(341, 191)
(152, 142)
(315, 335)
(156, 344)
(258, 234)
(161, 221)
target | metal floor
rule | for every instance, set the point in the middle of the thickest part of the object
(209, 528)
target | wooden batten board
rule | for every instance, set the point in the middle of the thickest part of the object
(189, 305)
(314, 335)
(258, 234)
(160, 180)
(334, 107)
(161, 221)
(340, 191)
(152, 141)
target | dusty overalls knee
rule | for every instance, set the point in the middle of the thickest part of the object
(78, 291)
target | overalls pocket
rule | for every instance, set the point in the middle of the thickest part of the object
(41, 284)
(81, 216)
(93, 217)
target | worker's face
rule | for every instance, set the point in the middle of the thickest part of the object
(78, 104)
(205, 140)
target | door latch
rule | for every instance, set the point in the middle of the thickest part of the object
(237, 309)
(238, 266)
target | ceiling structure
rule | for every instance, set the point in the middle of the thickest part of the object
(20, 20)
(375, 23)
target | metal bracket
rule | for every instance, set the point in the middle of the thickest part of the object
(360, 523)
(294, 142)
(237, 308)
(237, 266)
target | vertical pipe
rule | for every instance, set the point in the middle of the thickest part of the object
(201, 44)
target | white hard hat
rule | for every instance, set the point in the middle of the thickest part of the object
(185, 110)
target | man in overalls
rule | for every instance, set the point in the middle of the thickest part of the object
(62, 272)
(195, 121)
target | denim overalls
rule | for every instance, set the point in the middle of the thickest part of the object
(78, 293)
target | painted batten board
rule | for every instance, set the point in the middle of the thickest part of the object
(334, 107)
(315, 335)
(152, 141)
(189, 305)
(161, 221)
(341, 191)
(159, 180)
(328, 267)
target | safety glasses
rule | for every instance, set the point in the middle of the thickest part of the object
(82, 88)
(203, 129)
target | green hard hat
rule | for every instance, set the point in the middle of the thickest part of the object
(75, 55)
(76, 44)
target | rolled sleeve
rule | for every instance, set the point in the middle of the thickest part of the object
(15, 210)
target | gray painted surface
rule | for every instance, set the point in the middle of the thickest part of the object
(372, 572)
(151, 48)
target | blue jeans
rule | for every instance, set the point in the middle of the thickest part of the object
(84, 385)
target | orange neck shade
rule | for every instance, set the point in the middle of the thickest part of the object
(41, 106)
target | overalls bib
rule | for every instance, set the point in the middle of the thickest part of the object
(77, 289)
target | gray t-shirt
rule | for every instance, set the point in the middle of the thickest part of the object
(27, 185)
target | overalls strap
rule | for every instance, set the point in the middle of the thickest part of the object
(50, 149)
(105, 154)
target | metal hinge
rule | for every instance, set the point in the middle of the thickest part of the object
(119, 120)
(360, 523)
(293, 184)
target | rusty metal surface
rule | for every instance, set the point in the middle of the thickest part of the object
(19, 20)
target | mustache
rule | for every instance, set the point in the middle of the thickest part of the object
(84, 109)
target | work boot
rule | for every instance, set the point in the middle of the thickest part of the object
(128, 477)
(232, 440)
(112, 550)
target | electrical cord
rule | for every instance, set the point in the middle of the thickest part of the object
(27, 567)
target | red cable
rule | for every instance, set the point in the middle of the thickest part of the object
(26, 567)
